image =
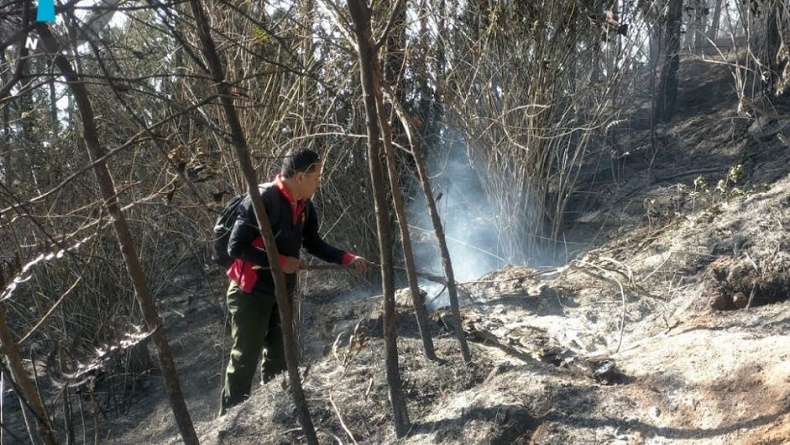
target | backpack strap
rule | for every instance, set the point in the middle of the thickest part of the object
(276, 203)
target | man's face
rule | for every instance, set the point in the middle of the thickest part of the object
(310, 181)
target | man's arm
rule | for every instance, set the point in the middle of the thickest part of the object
(315, 245)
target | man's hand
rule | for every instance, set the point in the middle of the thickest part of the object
(290, 264)
(361, 264)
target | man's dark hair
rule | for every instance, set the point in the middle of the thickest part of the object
(299, 160)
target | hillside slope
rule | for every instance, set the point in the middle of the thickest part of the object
(672, 328)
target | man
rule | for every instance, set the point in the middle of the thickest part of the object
(255, 320)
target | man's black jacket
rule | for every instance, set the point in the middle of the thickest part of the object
(294, 224)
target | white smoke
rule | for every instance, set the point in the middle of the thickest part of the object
(467, 219)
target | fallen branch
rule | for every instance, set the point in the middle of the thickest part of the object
(631, 284)
(427, 303)
(485, 336)
(521, 277)
(629, 275)
(342, 423)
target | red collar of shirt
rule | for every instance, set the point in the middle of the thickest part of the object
(278, 181)
(296, 206)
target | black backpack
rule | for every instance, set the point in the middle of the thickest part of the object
(223, 226)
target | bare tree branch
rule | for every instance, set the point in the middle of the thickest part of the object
(136, 272)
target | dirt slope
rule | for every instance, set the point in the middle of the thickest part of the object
(671, 329)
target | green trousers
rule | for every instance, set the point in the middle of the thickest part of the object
(256, 334)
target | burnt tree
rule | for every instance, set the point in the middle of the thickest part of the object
(123, 234)
(668, 62)
(239, 140)
(360, 15)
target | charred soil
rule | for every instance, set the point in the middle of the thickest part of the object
(670, 326)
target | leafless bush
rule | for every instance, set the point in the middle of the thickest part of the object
(530, 89)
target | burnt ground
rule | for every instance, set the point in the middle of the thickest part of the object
(670, 327)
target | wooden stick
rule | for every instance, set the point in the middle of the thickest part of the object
(427, 276)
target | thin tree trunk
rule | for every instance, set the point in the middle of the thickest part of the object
(447, 264)
(441, 56)
(68, 417)
(5, 152)
(688, 36)
(360, 16)
(53, 99)
(393, 67)
(124, 236)
(699, 25)
(420, 312)
(5, 147)
(768, 52)
(713, 31)
(23, 381)
(243, 154)
(2, 392)
(670, 62)
(595, 71)
(308, 94)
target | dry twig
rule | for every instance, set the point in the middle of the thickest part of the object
(340, 418)
(622, 294)
(520, 277)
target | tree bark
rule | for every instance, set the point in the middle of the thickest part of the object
(700, 8)
(420, 312)
(53, 101)
(124, 236)
(670, 62)
(360, 15)
(394, 64)
(243, 154)
(23, 381)
(5, 146)
(715, 22)
(447, 264)
(768, 51)
(688, 37)
(307, 104)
